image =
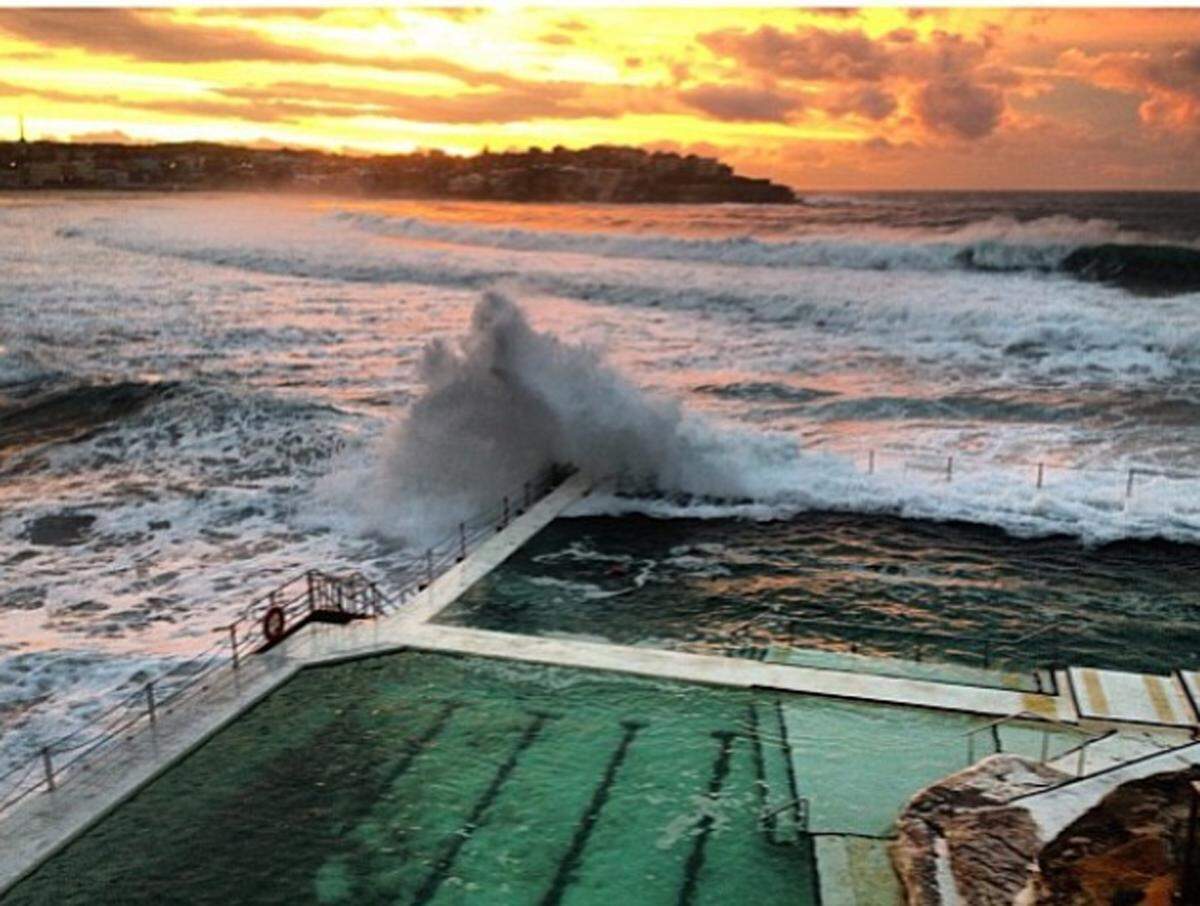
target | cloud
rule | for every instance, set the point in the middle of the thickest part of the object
(955, 106)
(737, 103)
(147, 36)
(950, 86)
(1169, 80)
(807, 53)
(868, 101)
(554, 100)
(152, 37)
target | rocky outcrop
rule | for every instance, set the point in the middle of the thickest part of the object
(1127, 850)
(963, 841)
(960, 842)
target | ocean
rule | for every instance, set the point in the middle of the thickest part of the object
(966, 411)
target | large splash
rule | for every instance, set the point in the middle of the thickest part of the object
(507, 401)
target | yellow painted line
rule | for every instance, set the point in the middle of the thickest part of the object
(1041, 705)
(1097, 700)
(1159, 699)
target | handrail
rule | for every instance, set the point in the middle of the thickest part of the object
(360, 595)
(987, 649)
(995, 725)
(1079, 778)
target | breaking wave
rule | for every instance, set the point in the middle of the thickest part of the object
(1092, 249)
(506, 401)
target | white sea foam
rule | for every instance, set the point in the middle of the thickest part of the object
(507, 401)
(995, 243)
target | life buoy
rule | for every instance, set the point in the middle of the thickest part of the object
(273, 623)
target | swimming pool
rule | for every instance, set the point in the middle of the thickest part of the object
(844, 584)
(423, 778)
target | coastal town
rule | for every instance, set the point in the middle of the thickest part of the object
(603, 173)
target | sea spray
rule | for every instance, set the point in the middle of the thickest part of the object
(506, 402)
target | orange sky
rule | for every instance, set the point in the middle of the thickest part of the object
(873, 98)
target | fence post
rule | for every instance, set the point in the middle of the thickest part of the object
(527, 495)
(1041, 473)
(1129, 484)
(429, 565)
(312, 598)
(970, 749)
(462, 542)
(870, 462)
(1082, 756)
(987, 652)
(504, 520)
(233, 643)
(949, 467)
(1045, 746)
(150, 703)
(46, 763)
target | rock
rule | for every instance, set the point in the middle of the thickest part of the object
(959, 842)
(1126, 849)
(962, 840)
(59, 530)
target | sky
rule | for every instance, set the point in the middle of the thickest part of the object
(876, 98)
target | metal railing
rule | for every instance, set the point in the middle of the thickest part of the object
(1048, 725)
(947, 465)
(919, 645)
(353, 595)
(1108, 769)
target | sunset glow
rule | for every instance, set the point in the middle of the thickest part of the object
(878, 98)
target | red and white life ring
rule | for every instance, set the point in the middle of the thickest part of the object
(273, 624)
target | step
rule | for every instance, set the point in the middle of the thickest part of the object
(855, 871)
(1110, 695)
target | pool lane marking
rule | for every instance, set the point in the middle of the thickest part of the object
(789, 759)
(416, 748)
(695, 862)
(457, 840)
(569, 863)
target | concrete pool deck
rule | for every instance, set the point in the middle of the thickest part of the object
(44, 822)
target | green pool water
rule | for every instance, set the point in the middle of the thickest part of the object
(420, 778)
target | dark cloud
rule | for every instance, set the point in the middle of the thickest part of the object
(737, 103)
(146, 36)
(960, 108)
(807, 53)
(869, 101)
